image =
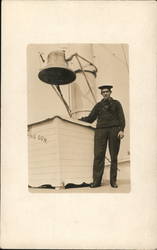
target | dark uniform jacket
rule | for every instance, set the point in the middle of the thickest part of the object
(109, 113)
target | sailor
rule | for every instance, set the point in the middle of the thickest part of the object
(109, 131)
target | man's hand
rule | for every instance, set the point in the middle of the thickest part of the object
(121, 134)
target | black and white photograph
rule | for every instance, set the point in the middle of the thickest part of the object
(78, 121)
(78, 117)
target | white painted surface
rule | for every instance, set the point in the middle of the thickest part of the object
(60, 152)
(82, 100)
(43, 154)
(76, 152)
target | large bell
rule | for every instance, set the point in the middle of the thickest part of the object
(56, 71)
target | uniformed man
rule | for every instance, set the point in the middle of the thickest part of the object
(109, 129)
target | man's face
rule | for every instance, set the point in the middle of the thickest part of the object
(105, 93)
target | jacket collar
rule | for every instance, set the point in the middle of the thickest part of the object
(108, 100)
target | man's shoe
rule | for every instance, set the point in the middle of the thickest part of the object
(114, 185)
(94, 185)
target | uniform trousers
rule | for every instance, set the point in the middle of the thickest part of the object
(103, 137)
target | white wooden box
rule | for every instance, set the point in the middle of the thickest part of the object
(60, 152)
